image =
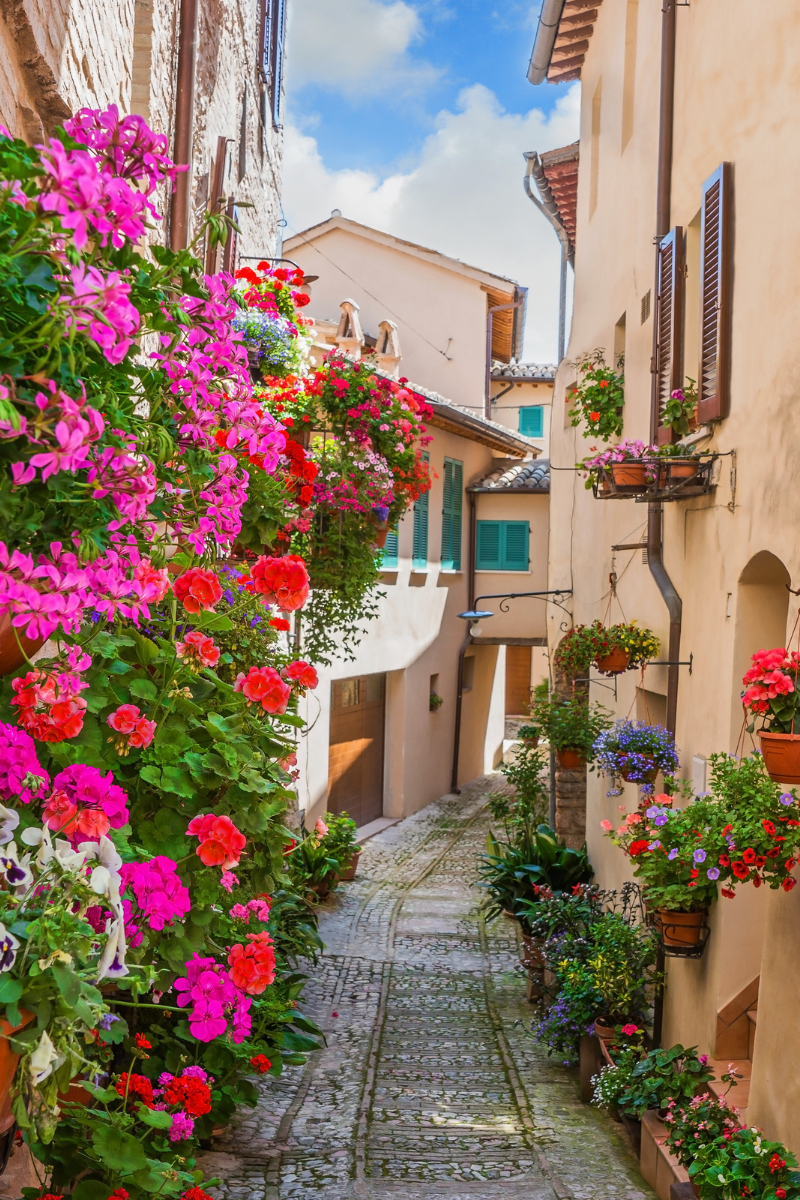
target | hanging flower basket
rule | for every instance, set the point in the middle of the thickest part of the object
(614, 663)
(11, 657)
(781, 756)
(638, 768)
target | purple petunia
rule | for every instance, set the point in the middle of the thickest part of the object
(699, 855)
(787, 798)
(713, 872)
(673, 854)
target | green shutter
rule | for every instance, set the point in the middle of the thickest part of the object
(531, 421)
(419, 552)
(391, 551)
(488, 547)
(451, 514)
(515, 556)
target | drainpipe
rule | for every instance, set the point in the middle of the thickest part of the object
(546, 32)
(655, 511)
(548, 206)
(473, 526)
(184, 114)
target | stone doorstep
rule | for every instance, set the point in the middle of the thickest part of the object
(657, 1165)
(377, 826)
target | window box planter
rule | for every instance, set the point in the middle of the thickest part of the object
(633, 477)
(781, 753)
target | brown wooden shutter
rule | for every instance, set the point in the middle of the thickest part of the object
(669, 327)
(716, 278)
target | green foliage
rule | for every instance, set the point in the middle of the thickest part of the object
(527, 773)
(598, 398)
(745, 1164)
(340, 840)
(698, 1123)
(511, 872)
(681, 409)
(584, 644)
(572, 723)
(664, 1075)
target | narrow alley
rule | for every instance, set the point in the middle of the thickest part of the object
(431, 1084)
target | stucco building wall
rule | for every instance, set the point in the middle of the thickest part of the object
(727, 553)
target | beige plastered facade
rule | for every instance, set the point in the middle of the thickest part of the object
(730, 554)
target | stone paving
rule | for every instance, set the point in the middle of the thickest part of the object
(431, 1086)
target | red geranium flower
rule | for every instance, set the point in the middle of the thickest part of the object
(301, 673)
(261, 1063)
(252, 968)
(280, 624)
(197, 589)
(281, 581)
(138, 1087)
(221, 843)
(264, 686)
(638, 847)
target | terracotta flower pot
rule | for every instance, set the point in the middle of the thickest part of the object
(613, 663)
(695, 1188)
(570, 760)
(648, 776)
(379, 538)
(683, 470)
(781, 756)
(631, 476)
(604, 1029)
(533, 742)
(680, 928)
(8, 1065)
(348, 871)
(11, 657)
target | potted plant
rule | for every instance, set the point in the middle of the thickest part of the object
(512, 872)
(598, 398)
(627, 469)
(664, 1075)
(636, 752)
(341, 843)
(699, 1122)
(771, 696)
(526, 771)
(572, 726)
(744, 1163)
(613, 648)
(676, 463)
(435, 702)
(680, 411)
(676, 867)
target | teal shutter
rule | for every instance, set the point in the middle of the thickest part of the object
(391, 551)
(531, 421)
(451, 514)
(488, 540)
(419, 551)
(515, 556)
(502, 545)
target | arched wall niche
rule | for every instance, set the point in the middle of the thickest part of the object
(762, 613)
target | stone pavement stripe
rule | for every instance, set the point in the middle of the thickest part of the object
(431, 1085)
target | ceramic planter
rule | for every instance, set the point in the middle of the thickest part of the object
(570, 760)
(680, 928)
(781, 756)
(630, 477)
(613, 663)
(348, 871)
(11, 657)
(8, 1065)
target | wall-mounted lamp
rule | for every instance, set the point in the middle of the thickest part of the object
(474, 615)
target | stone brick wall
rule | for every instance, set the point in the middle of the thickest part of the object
(57, 55)
(570, 785)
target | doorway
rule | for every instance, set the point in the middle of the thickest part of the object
(518, 680)
(355, 757)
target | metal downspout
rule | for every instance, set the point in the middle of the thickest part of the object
(184, 115)
(464, 645)
(548, 207)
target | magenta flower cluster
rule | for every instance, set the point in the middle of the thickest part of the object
(242, 912)
(19, 767)
(157, 888)
(215, 1000)
(86, 787)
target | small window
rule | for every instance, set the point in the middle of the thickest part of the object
(531, 421)
(503, 545)
(390, 559)
(468, 674)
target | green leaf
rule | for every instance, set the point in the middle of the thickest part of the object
(10, 989)
(90, 1189)
(100, 1093)
(151, 774)
(145, 689)
(68, 983)
(158, 1120)
(173, 779)
(119, 1151)
(151, 1178)
(119, 667)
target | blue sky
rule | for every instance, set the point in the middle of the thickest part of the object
(412, 116)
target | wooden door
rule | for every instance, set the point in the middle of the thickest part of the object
(355, 758)
(518, 680)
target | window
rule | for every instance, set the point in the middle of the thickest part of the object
(419, 551)
(468, 673)
(531, 421)
(451, 514)
(503, 545)
(716, 277)
(273, 33)
(390, 559)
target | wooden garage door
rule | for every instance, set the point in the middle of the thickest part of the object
(518, 680)
(355, 761)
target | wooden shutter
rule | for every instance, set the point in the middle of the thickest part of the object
(669, 328)
(419, 552)
(516, 535)
(716, 279)
(457, 498)
(391, 551)
(489, 554)
(531, 421)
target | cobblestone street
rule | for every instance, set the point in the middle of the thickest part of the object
(431, 1085)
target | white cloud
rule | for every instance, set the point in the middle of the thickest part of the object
(358, 47)
(464, 197)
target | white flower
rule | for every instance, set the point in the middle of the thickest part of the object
(45, 1059)
(8, 948)
(105, 878)
(9, 820)
(17, 872)
(112, 960)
